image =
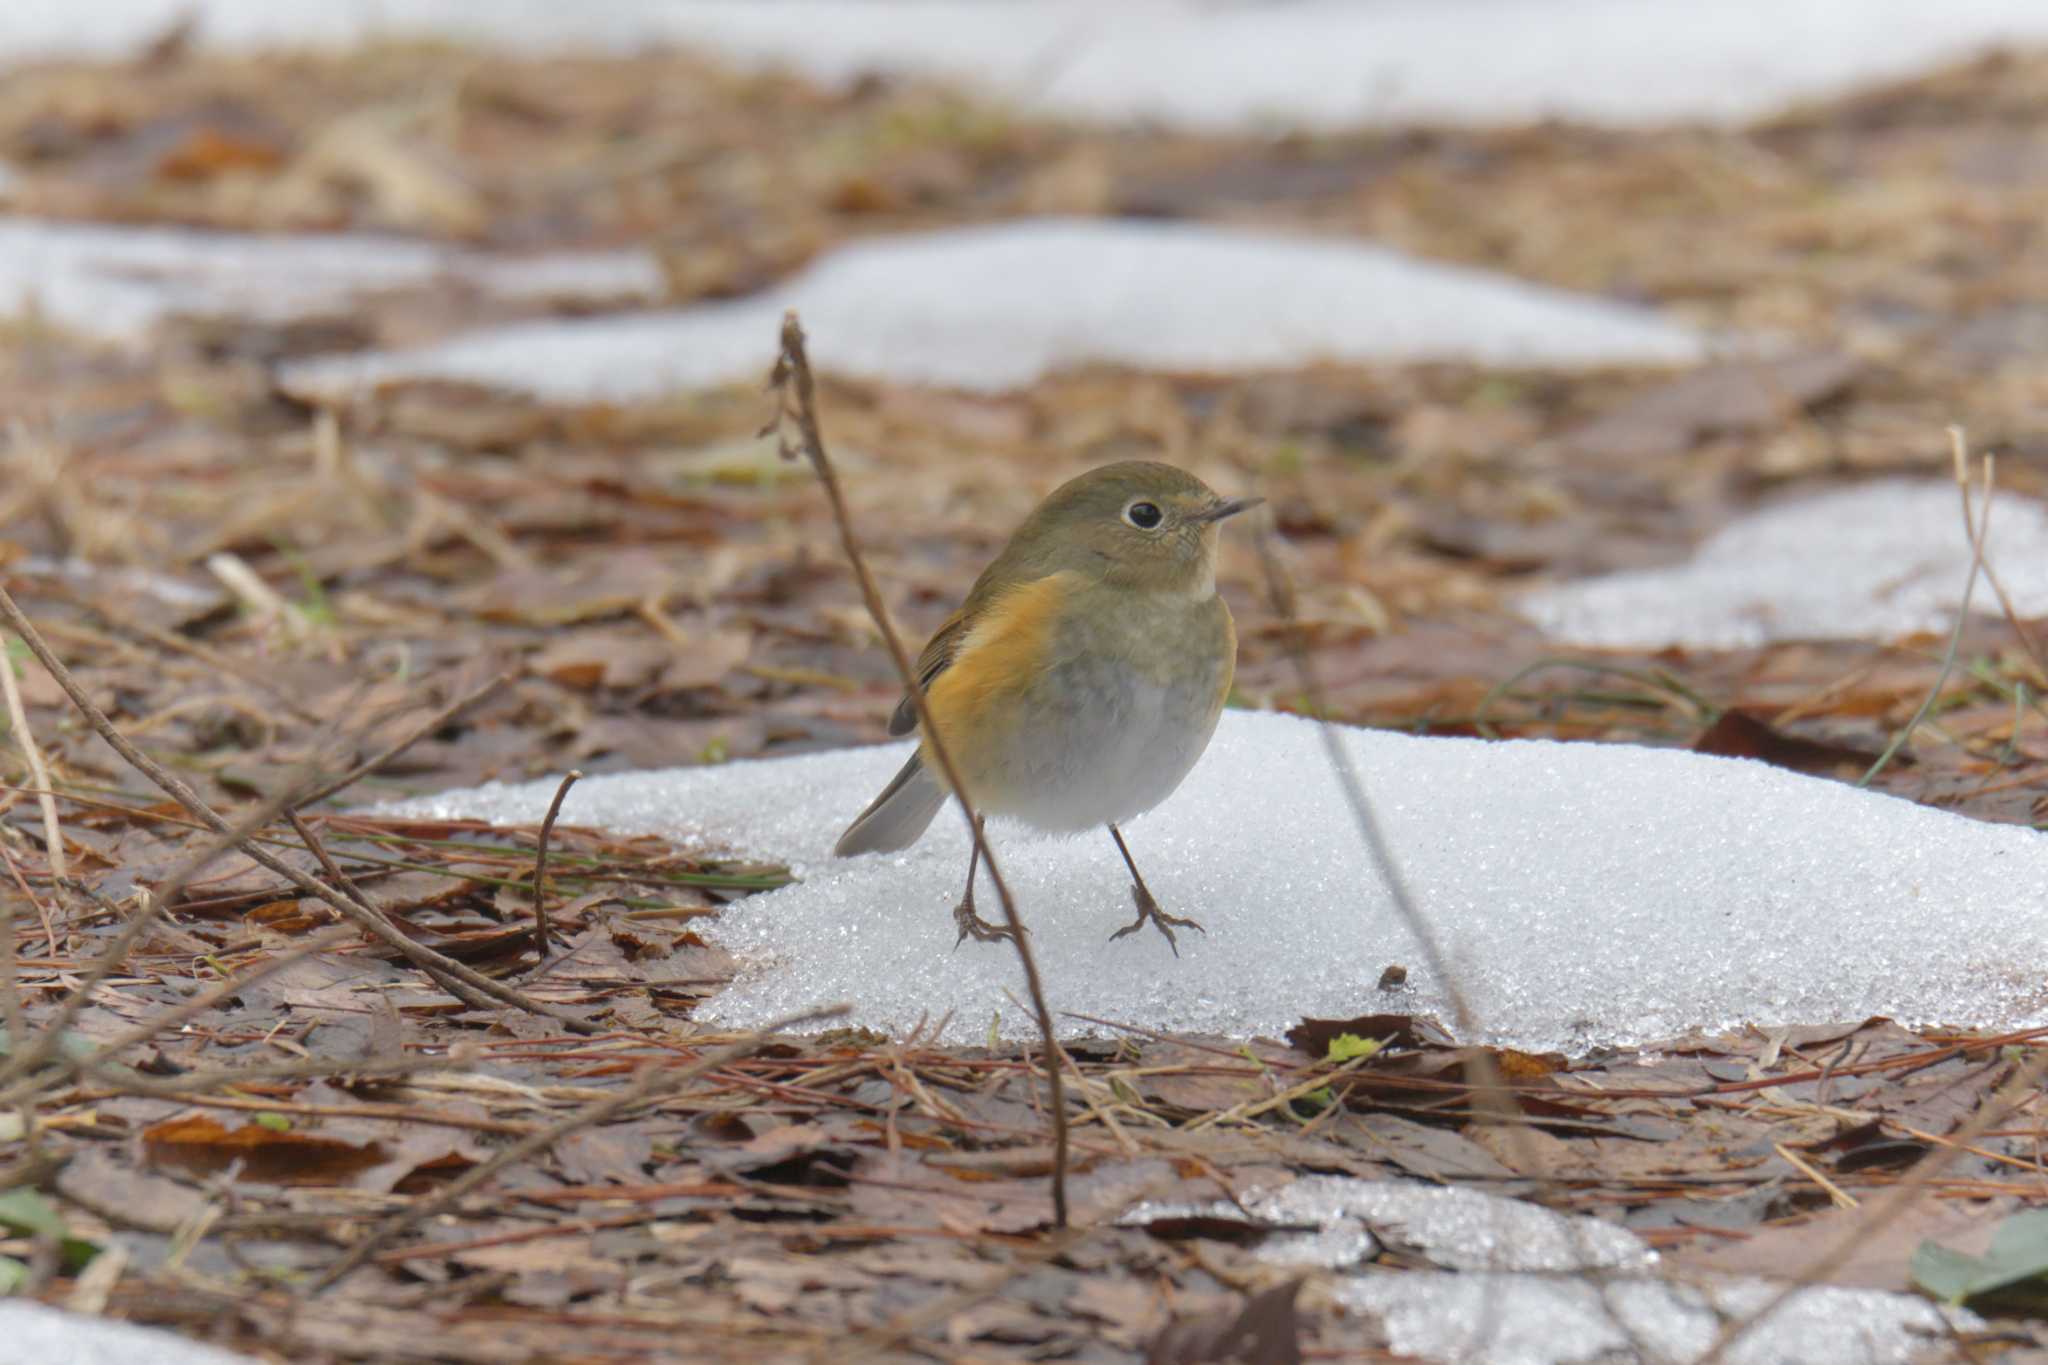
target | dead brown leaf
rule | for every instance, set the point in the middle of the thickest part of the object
(270, 1152)
(1263, 1332)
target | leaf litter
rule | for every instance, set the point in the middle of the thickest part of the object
(653, 591)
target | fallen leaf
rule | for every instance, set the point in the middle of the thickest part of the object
(1879, 1260)
(201, 1145)
(211, 150)
(706, 659)
(1738, 734)
(1265, 1331)
(2013, 1273)
(609, 659)
(610, 586)
(115, 1189)
(1738, 397)
(1394, 1032)
(27, 1212)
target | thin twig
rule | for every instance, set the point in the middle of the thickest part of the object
(1841, 1197)
(1977, 529)
(126, 1081)
(318, 849)
(792, 376)
(1655, 679)
(10, 985)
(17, 716)
(466, 984)
(542, 931)
(651, 1082)
(28, 894)
(1915, 1181)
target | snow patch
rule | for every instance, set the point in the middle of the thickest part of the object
(1187, 63)
(1586, 894)
(1876, 562)
(117, 282)
(997, 307)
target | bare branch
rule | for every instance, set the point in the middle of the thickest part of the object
(792, 379)
(542, 932)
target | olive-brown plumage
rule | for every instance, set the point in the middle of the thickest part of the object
(1082, 678)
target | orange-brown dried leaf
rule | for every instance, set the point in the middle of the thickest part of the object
(201, 1145)
(209, 151)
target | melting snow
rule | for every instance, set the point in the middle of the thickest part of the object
(1320, 63)
(117, 282)
(1586, 893)
(998, 306)
(1875, 562)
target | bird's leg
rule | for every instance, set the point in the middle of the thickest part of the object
(970, 924)
(1148, 909)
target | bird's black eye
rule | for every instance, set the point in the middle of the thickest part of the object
(1144, 515)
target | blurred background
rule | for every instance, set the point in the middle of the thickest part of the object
(381, 398)
(1597, 358)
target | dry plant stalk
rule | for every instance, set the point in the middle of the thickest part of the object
(319, 851)
(542, 931)
(652, 1080)
(1959, 453)
(17, 716)
(796, 400)
(11, 1016)
(1977, 527)
(1880, 1215)
(465, 983)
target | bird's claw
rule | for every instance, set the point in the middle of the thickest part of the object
(975, 927)
(1148, 910)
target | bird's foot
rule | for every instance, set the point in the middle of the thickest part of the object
(972, 925)
(1148, 909)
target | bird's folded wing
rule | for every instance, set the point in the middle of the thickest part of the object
(937, 655)
(1003, 631)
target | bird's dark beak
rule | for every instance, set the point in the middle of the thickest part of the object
(1229, 507)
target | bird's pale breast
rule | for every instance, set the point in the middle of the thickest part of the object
(1073, 704)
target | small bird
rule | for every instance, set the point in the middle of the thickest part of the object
(1081, 679)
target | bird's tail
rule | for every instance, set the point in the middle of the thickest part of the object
(897, 817)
